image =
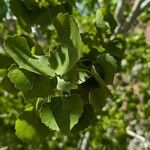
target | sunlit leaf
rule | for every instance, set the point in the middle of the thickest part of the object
(64, 58)
(30, 84)
(100, 19)
(30, 129)
(18, 48)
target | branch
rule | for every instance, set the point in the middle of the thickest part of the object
(145, 5)
(119, 12)
(84, 142)
(137, 9)
(132, 17)
(133, 134)
(4, 148)
(145, 142)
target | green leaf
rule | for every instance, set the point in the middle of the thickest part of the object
(59, 61)
(60, 109)
(5, 61)
(71, 2)
(87, 117)
(116, 47)
(47, 117)
(64, 59)
(84, 88)
(98, 98)
(76, 106)
(3, 9)
(93, 42)
(17, 47)
(3, 73)
(30, 129)
(8, 86)
(42, 87)
(30, 84)
(101, 83)
(71, 75)
(106, 67)
(100, 19)
(21, 81)
(29, 13)
(63, 111)
(65, 85)
(108, 16)
(49, 13)
(21, 12)
(31, 4)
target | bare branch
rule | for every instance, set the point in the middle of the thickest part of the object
(133, 134)
(119, 12)
(145, 5)
(132, 16)
(137, 9)
(84, 142)
(139, 137)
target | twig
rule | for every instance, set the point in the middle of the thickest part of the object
(137, 8)
(4, 148)
(145, 142)
(5, 115)
(101, 82)
(133, 134)
(84, 143)
(131, 18)
(144, 5)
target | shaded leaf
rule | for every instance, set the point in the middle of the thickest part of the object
(101, 83)
(5, 61)
(98, 98)
(116, 47)
(86, 118)
(8, 86)
(19, 10)
(84, 88)
(42, 87)
(63, 111)
(31, 4)
(3, 9)
(106, 66)
(29, 13)
(71, 75)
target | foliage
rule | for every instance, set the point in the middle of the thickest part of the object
(57, 59)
